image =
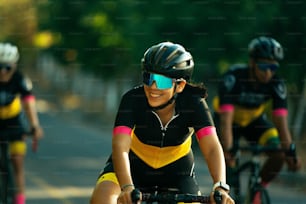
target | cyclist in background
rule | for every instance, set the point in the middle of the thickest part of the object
(16, 96)
(243, 95)
(152, 135)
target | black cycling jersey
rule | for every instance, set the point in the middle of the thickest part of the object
(10, 104)
(248, 96)
(15, 86)
(162, 155)
(237, 88)
(135, 112)
(249, 99)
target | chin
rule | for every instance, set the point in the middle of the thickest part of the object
(154, 104)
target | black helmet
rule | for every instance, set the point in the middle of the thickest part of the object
(171, 60)
(266, 48)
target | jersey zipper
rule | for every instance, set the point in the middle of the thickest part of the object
(164, 128)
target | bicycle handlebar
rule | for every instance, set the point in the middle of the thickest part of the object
(173, 197)
(258, 149)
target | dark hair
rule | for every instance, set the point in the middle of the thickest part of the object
(197, 89)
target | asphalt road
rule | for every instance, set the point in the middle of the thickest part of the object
(71, 154)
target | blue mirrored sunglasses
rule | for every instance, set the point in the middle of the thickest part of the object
(5, 67)
(162, 82)
(266, 66)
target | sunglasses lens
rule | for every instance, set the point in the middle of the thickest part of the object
(161, 81)
(264, 66)
(5, 67)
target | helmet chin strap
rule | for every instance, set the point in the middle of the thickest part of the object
(165, 104)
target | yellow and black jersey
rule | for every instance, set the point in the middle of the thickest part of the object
(161, 154)
(248, 97)
(159, 145)
(11, 93)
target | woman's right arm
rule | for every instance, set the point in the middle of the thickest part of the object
(120, 154)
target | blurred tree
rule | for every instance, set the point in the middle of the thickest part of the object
(18, 25)
(109, 37)
(88, 34)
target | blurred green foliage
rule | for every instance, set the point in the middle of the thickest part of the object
(109, 37)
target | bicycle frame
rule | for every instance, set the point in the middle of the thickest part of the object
(253, 166)
(7, 190)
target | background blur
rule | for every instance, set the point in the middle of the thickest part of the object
(82, 55)
(89, 52)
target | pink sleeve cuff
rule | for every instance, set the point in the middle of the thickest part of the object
(122, 130)
(28, 98)
(280, 112)
(203, 132)
(226, 108)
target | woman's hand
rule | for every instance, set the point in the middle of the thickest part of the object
(226, 198)
(125, 195)
(38, 133)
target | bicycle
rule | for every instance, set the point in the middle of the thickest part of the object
(172, 196)
(254, 166)
(7, 183)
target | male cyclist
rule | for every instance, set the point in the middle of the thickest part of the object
(151, 143)
(15, 96)
(243, 95)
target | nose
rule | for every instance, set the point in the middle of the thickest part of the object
(269, 72)
(153, 85)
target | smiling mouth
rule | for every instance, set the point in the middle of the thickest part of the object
(154, 95)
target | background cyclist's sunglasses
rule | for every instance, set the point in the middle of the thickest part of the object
(266, 66)
(5, 67)
(161, 81)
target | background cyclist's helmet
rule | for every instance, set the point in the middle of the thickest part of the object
(168, 59)
(8, 53)
(266, 48)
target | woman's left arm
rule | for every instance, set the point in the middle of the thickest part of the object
(29, 105)
(213, 154)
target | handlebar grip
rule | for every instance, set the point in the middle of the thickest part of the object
(218, 197)
(136, 195)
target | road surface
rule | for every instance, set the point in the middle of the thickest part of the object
(72, 153)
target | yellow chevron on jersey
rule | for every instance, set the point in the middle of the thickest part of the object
(158, 157)
(244, 116)
(11, 110)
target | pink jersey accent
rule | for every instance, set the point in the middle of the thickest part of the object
(28, 98)
(20, 198)
(122, 130)
(203, 132)
(226, 108)
(280, 112)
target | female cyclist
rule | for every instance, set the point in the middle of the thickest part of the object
(152, 135)
(15, 93)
